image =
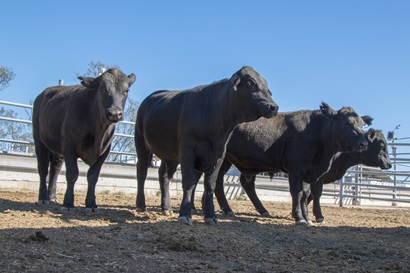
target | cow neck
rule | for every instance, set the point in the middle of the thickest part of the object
(222, 115)
(102, 127)
(236, 115)
(339, 165)
(327, 149)
(347, 159)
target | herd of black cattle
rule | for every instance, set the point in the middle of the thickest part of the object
(205, 130)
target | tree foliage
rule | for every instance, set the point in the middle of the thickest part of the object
(95, 69)
(6, 76)
(122, 143)
(11, 130)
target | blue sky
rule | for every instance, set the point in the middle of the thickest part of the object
(345, 53)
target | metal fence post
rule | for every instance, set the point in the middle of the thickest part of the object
(341, 191)
(356, 187)
(394, 148)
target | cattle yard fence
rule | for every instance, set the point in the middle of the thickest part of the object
(361, 185)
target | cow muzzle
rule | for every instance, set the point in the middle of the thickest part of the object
(271, 111)
(384, 163)
(114, 115)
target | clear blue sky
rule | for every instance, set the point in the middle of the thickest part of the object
(346, 53)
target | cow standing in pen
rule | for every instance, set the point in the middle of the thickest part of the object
(191, 127)
(376, 155)
(71, 122)
(300, 143)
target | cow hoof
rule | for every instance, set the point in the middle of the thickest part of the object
(66, 209)
(185, 220)
(167, 212)
(138, 209)
(43, 202)
(301, 223)
(310, 223)
(91, 210)
(266, 215)
(230, 213)
(194, 211)
(211, 221)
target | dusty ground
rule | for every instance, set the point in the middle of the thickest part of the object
(42, 239)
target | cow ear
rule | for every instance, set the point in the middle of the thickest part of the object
(235, 80)
(88, 82)
(131, 79)
(371, 134)
(367, 119)
(327, 111)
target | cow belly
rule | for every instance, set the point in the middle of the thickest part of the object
(52, 144)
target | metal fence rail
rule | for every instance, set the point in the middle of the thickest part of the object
(360, 184)
(124, 156)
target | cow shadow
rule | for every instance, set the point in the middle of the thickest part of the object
(166, 246)
(120, 213)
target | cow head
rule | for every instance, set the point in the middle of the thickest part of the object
(377, 154)
(252, 95)
(111, 87)
(346, 128)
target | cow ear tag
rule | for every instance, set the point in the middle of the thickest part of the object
(235, 80)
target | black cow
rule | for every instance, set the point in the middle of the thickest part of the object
(376, 155)
(191, 127)
(71, 122)
(299, 143)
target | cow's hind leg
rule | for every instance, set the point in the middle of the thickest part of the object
(296, 191)
(248, 183)
(43, 161)
(166, 172)
(92, 178)
(72, 173)
(144, 161)
(193, 208)
(317, 190)
(56, 162)
(304, 204)
(219, 188)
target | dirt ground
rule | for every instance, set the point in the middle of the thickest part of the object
(118, 239)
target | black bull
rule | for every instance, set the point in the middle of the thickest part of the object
(191, 128)
(71, 122)
(376, 155)
(299, 143)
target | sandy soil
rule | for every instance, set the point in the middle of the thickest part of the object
(118, 239)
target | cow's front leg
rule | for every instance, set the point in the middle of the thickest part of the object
(209, 185)
(208, 200)
(296, 191)
(92, 178)
(188, 186)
